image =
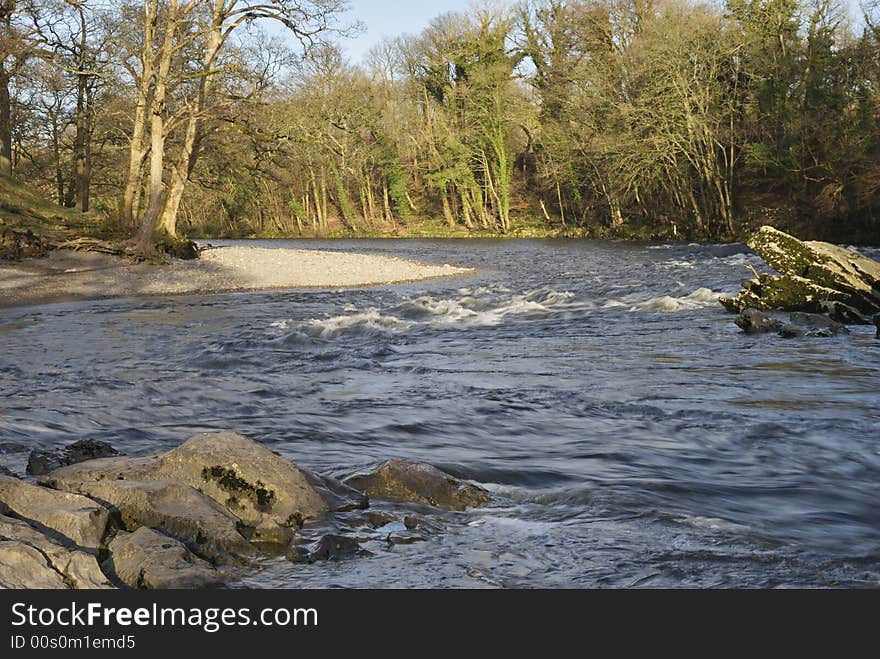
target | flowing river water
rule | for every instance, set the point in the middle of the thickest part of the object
(631, 435)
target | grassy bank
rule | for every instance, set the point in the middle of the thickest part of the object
(30, 224)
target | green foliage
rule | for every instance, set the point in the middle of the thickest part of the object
(397, 189)
(682, 119)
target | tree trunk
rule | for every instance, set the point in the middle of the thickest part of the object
(182, 171)
(138, 148)
(155, 196)
(5, 123)
(80, 140)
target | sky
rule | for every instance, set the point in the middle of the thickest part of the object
(389, 19)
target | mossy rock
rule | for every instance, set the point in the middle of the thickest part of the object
(178, 247)
(853, 275)
(16, 245)
(784, 292)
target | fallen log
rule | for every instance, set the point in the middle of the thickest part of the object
(813, 276)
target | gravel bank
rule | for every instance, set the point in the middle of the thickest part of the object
(66, 275)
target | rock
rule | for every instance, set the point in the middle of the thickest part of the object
(753, 321)
(412, 522)
(178, 247)
(15, 245)
(338, 496)
(22, 566)
(114, 469)
(825, 264)
(177, 510)
(791, 331)
(43, 461)
(267, 492)
(817, 322)
(810, 272)
(799, 324)
(769, 292)
(335, 548)
(877, 324)
(404, 538)
(78, 569)
(149, 559)
(73, 517)
(840, 312)
(246, 477)
(416, 482)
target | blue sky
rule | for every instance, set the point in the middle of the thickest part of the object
(389, 19)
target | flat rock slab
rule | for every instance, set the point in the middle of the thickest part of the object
(416, 482)
(149, 559)
(78, 569)
(73, 517)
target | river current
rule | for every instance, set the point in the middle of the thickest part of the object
(630, 434)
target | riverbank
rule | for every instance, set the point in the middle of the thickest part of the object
(64, 275)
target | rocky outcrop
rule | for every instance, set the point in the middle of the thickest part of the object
(76, 569)
(149, 559)
(813, 276)
(269, 494)
(216, 499)
(72, 517)
(42, 461)
(416, 482)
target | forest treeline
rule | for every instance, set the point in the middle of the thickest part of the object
(631, 118)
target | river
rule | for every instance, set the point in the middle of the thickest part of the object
(631, 435)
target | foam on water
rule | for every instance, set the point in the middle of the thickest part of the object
(698, 299)
(481, 307)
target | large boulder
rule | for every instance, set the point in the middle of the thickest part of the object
(269, 494)
(768, 292)
(77, 569)
(811, 274)
(72, 517)
(42, 461)
(149, 559)
(246, 477)
(416, 482)
(174, 508)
